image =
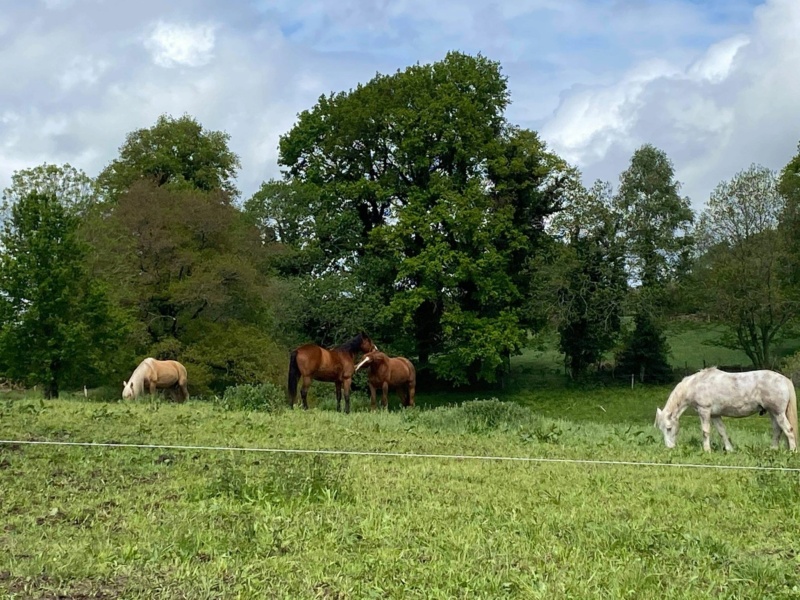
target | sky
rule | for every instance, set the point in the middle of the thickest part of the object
(713, 83)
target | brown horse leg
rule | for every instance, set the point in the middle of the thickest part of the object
(184, 387)
(412, 388)
(338, 385)
(385, 395)
(346, 383)
(304, 391)
(402, 393)
(372, 393)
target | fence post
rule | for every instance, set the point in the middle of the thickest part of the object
(632, 378)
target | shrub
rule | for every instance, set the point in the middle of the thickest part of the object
(476, 416)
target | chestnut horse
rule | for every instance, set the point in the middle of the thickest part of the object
(311, 361)
(152, 374)
(385, 372)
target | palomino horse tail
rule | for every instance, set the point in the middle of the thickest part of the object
(791, 410)
(294, 376)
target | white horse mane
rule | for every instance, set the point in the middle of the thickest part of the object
(136, 380)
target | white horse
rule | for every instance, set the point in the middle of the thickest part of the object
(152, 374)
(714, 394)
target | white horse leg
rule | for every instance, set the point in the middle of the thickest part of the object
(705, 425)
(776, 433)
(786, 427)
(722, 433)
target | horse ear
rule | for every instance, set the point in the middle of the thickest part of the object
(124, 383)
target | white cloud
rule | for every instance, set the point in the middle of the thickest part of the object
(82, 70)
(172, 44)
(716, 64)
(734, 104)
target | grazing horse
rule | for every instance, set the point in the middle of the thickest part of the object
(714, 394)
(152, 374)
(310, 362)
(386, 372)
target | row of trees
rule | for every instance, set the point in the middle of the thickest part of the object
(409, 207)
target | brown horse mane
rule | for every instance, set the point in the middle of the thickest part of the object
(353, 346)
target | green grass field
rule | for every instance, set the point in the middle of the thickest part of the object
(81, 522)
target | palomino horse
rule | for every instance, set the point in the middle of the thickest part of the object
(152, 374)
(714, 394)
(310, 362)
(386, 372)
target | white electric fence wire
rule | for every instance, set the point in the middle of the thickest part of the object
(528, 459)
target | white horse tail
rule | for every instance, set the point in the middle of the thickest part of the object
(791, 410)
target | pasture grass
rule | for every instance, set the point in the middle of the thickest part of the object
(142, 523)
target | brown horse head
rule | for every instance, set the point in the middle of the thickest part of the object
(361, 343)
(367, 344)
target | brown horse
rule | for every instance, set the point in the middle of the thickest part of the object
(152, 374)
(386, 372)
(310, 362)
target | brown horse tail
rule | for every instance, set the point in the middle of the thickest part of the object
(294, 375)
(791, 410)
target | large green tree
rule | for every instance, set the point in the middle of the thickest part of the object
(58, 327)
(416, 188)
(745, 263)
(657, 220)
(178, 153)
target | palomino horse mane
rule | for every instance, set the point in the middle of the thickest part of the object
(136, 380)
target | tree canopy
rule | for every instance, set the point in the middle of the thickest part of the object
(178, 153)
(416, 187)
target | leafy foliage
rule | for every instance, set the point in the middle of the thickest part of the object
(746, 263)
(58, 327)
(591, 278)
(71, 187)
(175, 152)
(195, 275)
(656, 218)
(646, 352)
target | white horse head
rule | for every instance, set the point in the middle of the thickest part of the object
(668, 426)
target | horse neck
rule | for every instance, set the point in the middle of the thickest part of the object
(346, 349)
(678, 401)
(138, 377)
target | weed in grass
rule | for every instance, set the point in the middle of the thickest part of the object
(279, 479)
(266, 397)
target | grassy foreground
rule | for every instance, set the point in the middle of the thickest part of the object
(135, 523)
